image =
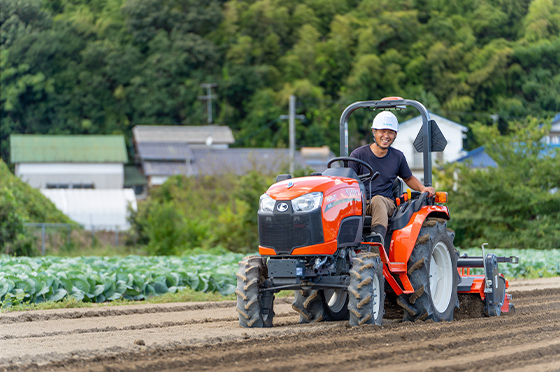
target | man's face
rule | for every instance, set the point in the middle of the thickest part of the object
(384, 137)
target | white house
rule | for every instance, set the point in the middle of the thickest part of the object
(408, 131)
(69, 161)
(83, 175)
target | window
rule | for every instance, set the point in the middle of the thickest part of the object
(70, 186)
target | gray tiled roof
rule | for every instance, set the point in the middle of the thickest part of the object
(164, 151)
(220, 134)
(243, 160)
(166, 168)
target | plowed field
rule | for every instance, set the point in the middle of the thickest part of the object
(206, 336)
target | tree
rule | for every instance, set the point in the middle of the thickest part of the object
(516, 204)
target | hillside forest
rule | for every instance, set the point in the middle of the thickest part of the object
(104, 66)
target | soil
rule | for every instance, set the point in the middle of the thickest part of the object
(207, 337)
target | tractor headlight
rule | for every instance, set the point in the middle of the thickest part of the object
(266, 203)
(308, 202)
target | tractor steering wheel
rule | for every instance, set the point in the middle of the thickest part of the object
(363, 177)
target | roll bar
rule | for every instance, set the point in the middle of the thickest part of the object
(392, 104)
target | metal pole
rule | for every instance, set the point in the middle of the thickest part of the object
(43, 237)
(116, 236)
(292, 132)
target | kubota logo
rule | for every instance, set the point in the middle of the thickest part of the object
(282, 207)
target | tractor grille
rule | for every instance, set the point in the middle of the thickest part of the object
(285, 231)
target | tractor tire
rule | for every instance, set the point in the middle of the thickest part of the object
(250, 277)
(432, 269)
(366, 290)
(309, 304)
(315, 305)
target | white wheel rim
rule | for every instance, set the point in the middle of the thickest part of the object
(336, 299)
(441, 277)
(376, 297)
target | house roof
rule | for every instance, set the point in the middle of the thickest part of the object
(164, 151)
(478, 159)
(219, 134)
(439, 119)
(243, 160)
(31, 148)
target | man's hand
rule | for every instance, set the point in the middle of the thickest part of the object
(415, 184)
(430, 190)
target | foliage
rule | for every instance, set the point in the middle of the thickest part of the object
(516, 204)
(101, 67)
(100, 279)
(185, 213)
(20, 203)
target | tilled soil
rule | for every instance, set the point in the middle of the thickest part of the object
(207, 336)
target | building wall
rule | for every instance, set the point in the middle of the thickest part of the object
(95, 209)
(102, 176)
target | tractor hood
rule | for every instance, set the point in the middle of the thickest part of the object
(295, 187)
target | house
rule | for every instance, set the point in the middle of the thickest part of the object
(554, 135)
(83, 175)
(477, 158)
(453, 132)
(69, 161)
(167, 150)
(164, 151)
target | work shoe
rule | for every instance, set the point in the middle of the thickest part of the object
(375, 238)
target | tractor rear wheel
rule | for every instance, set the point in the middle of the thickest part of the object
(251, 275)
(366, 290)
(432, 269)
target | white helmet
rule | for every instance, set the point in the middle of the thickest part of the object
(385, 120)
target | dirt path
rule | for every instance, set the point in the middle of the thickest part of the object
(206, 336)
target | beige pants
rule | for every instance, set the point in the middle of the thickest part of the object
(380, 208)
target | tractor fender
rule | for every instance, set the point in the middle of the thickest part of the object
(404, 240)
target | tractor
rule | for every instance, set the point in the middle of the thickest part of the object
(312, 240)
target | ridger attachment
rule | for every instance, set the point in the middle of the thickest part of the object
(491, 286)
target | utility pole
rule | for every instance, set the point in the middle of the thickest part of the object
(208, 98)
(292, 129)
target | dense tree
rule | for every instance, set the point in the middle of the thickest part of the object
(103, 66)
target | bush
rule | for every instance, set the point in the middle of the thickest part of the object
(206, 212)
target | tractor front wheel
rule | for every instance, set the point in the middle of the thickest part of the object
(366, 290)
(250, 277)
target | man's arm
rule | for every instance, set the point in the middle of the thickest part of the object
(415, 184)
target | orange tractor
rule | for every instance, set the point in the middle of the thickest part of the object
(312, 229)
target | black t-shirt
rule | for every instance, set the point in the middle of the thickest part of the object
(391, 166)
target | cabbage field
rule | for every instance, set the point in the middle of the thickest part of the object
(102, 279)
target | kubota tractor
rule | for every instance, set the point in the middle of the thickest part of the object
(312, 230)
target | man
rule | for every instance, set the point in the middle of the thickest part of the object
(390, 163)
